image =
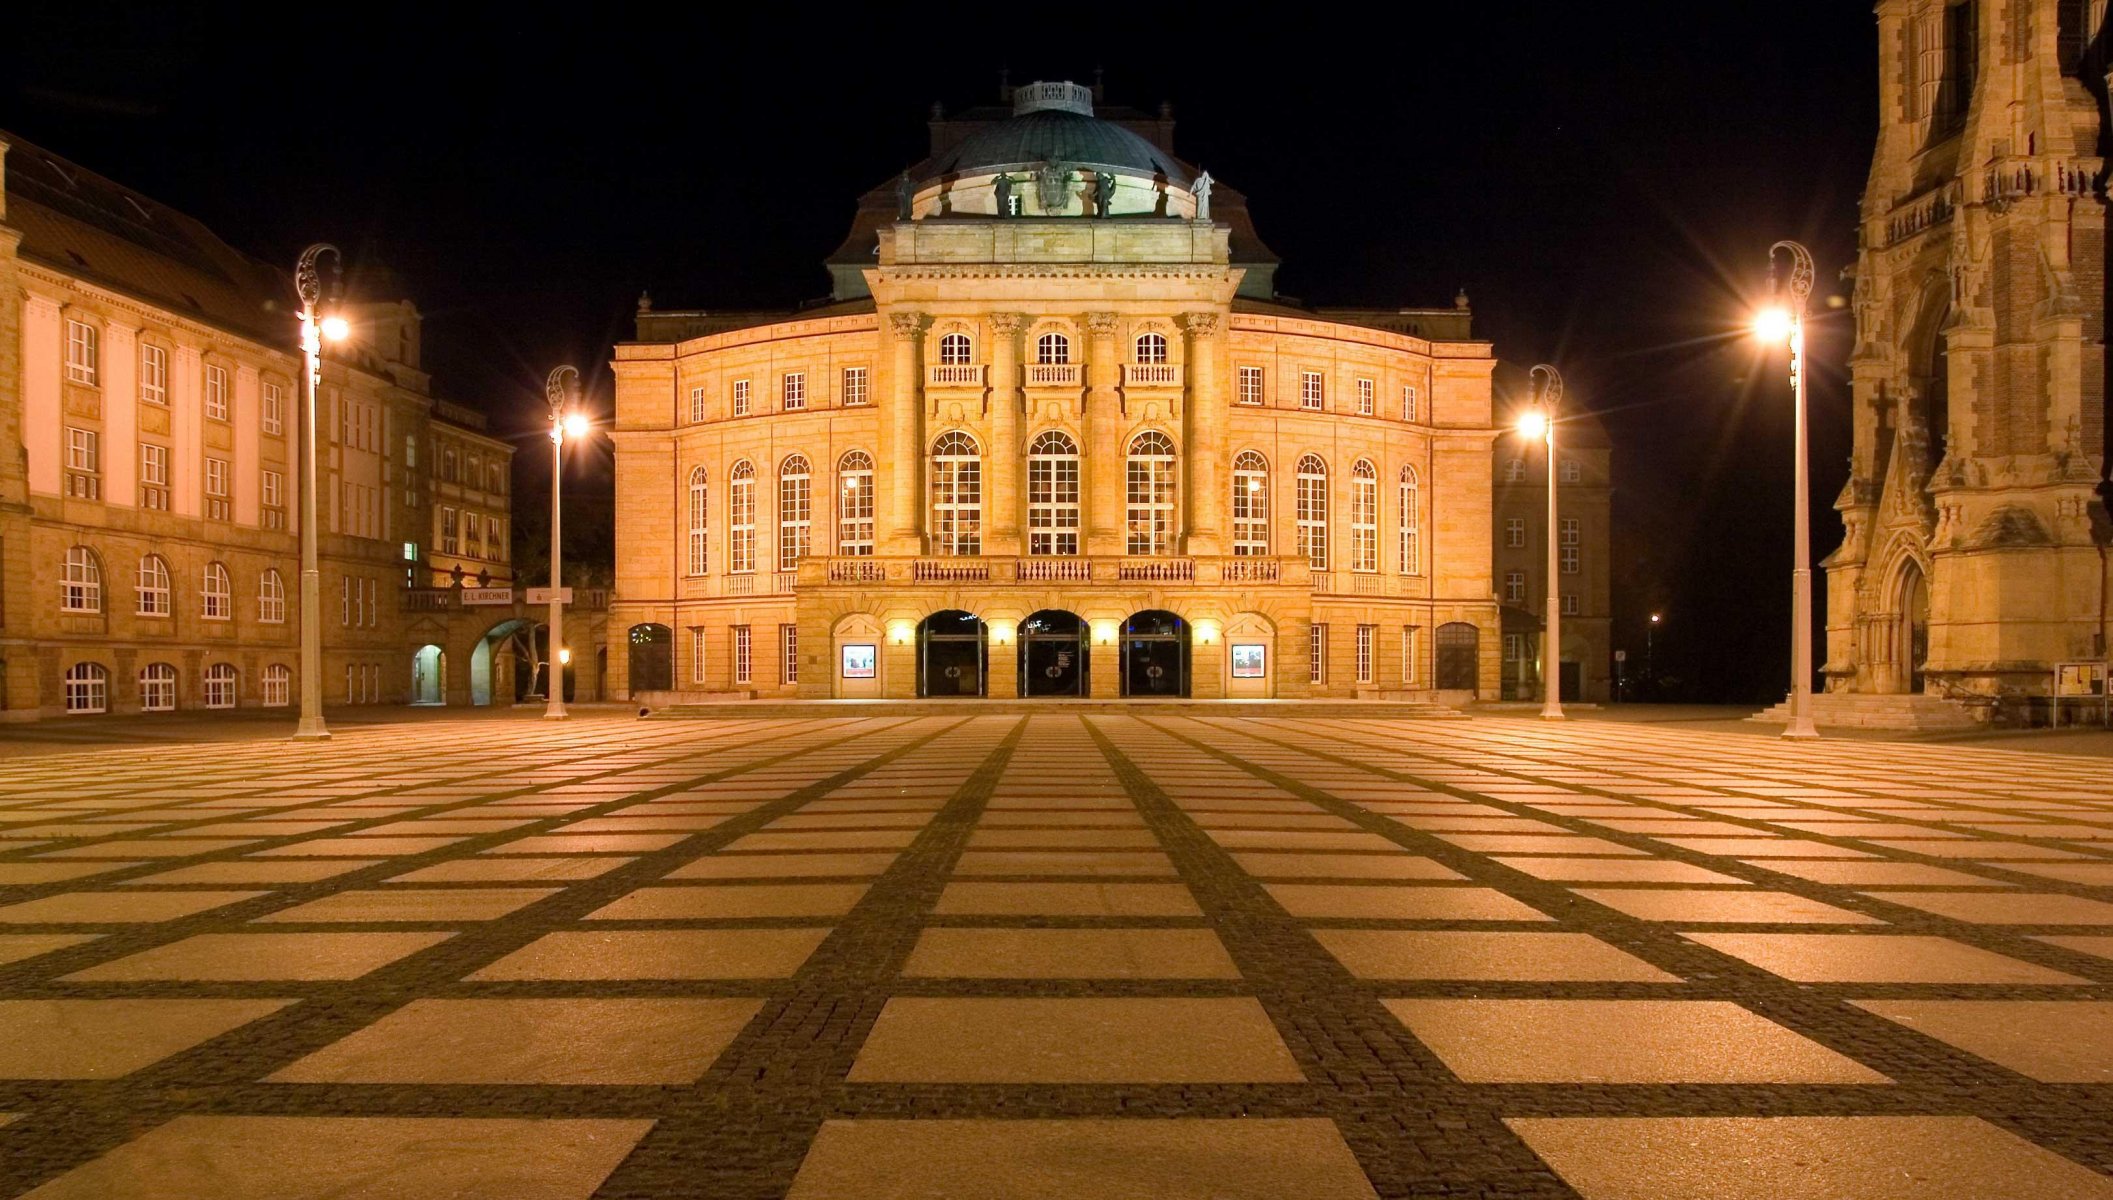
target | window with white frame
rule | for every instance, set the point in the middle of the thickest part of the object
(1364, 516)
(700, 555)
(741, 519)
(1409, 659)
(1151, 348)
(1570, 471)
(1514, 470)
(1052, 494)
(216, 500)
(220, 685)
(1317, 653)
(1052, 349)
(1409, 522)
(276, 686)
(273, 495)
(954, 350)
(1409, 406)
(1568, 548)
(957, 494)
(344, 600)
(157, 688)
(789, 653)
(215, 392)
(271, 597)
(81, 587)
(1248, 385)
(1367, 398)
(697, 655)
(81, 353)
(1515, 648)
(740, 399)
(1570, 605)
(450, 531)
(1514, 531)
(1366, 635)
(742, 665)
(792, 391)
(795, 511)
(87, 688)
(154, 588)
(857, 387)
(1312, 510)
(696, 404)
(1312, 390)
(216, 596)
(84, 480)
(1514, 587)
(1149, 494)
(153, 374)
(153, 476)
(472, 535)
(1250, 505)
(274, 415)
(854, 504)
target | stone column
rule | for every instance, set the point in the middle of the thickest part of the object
(1103, 427)
(1205, 417)
(902, 449)
(1003, 464)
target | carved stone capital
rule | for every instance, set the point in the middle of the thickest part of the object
(1103, 324)
(908, 325)
(1199, 324)
(1006, 324)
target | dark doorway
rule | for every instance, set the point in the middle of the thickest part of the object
(1053, 655)
(1573, 683)
(1459, 657)
(652, 658)
(1155, 654)
(950, 655)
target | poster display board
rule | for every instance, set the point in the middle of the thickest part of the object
(1249, 661)
(860, 660)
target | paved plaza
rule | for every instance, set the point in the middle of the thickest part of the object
(992, 957)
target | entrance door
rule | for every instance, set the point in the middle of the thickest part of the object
(1573, 682)
(1459, 655)
(1053, 654)
(1915, 619)
(950, 655)
(1155, 655)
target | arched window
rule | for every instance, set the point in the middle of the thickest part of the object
(957, 495)
(1313, 511)
(216, 597)
(954, 350)
(157, 688)
(87, 688)
(741, 519)
(1364, 516)
(1149, 492)
(81, 590)
(854, 504)
(1411, 524)
(1053, 495)
(278, 685)
(153, 586)
(795, 510)
(700, 518)
(1151, 348)
(271, 597)
(1052, 349)
(220, 685)
(1514, 470)
(1250, 504)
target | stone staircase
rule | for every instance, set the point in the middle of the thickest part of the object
(1421, 710)
(1916, 713)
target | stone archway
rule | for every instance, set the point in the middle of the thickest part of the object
(1911, 633)
(429, 675)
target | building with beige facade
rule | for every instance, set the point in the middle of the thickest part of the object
(1584, 560)
(149, 402)
(1053, 434)
(1974, 557)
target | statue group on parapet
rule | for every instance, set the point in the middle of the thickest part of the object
(1052, 182)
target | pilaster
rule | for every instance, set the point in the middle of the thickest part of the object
(1204, 451)
(902, 448)
(1002, 465)
(1104, 428)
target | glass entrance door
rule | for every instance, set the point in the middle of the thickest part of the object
(1053, 657)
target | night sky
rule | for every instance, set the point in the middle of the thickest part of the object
(1604, 185)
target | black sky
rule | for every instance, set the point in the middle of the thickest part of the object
(1604, 180)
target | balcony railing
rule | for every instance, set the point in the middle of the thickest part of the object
(954, 375)
(950, 570)
(1053, 374)
(1002, 570)
(1151, 374)
(1056, 570)
(857, 570)
(1251, 570)
(1156, 570)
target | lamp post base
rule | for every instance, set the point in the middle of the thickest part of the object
(557, 714)
(1553, 714)
(308, 731)
(1801, 733)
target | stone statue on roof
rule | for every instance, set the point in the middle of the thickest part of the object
(1201, 189)
(1104, 194)
(904, 192)
(1002, 188)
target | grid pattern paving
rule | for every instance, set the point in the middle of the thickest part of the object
(1056, 955)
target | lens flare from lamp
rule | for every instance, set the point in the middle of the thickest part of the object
(336, 329)
(577, 425)
(1774, 325)
(1533, 423)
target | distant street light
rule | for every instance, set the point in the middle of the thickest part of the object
(1539, 422)
(315, 329)
(560, 389)
(1773, 326)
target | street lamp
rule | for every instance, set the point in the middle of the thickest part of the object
(1539, 422)
(315, 328)
(559, 389)
(1773, 326)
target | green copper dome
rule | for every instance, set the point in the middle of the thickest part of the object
(1054, 135)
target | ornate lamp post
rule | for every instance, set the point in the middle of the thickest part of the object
(560, 388)
(1773, 326)
(315, 327)
(1539, 421)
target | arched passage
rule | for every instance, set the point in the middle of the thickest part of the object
(1155, 654)
(1053, 654)
(499, 662)
(952, 655)
(429, 675)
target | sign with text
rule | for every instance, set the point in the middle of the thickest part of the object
(488, 595)
(546, 595)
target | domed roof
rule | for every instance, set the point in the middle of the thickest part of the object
(1050, 131)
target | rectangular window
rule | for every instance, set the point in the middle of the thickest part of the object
(83, 465)
(81, 353)
(153, 477)
(1408, 656)
(740, 403)
(1367, 398)
(792, 391)
(1317, 650)
(1514, 587)
(1571, 472)
(473, 534)
(216, 503)
(696, 654)
(1408, 402)
(1514, 531)
(1515, 647)
(1366, 634)
(344, 603)
(1250, 385)
(153, 374)
(450, 531)
(274, 408)
(1570, 606)
(855, 388)
(696, 405)
(741, 650)
(1569, 557)
(274, 500)
(789, 652)
(1312, 393)
(216, 392)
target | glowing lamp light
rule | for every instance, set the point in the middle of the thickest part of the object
(1104, 633)
(900, 633)
(577, 425)
(1654, 618)
(565, 656)
(1254, 483)
(336, 329)
(1533, 423)
(1774, 325)
(1206, 633)
(1001, 633)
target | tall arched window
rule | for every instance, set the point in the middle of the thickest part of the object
(954, 350)
(220, 685)
(854, 504)
(795, 510)
(741, 519)
(1052, 348)
(277, 685)
(216, 596)
(81, 590)
(700, 521)
(1151, 348)
(1250, 504)
(1364, 516)
(1053, 495)
(1411, 524)
(153, 586)
(157, 688)
(87, 688)
(271, 597)
(1150, 494)
(1313, 511)
(957, 495)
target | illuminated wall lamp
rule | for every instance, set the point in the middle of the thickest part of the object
(900, 633)
(1104, 633)
(1207, 633)
(1001, 633)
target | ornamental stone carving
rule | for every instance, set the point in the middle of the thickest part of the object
(907, 326)
(1006, 324)
(1200, 324)
(1103, 324)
